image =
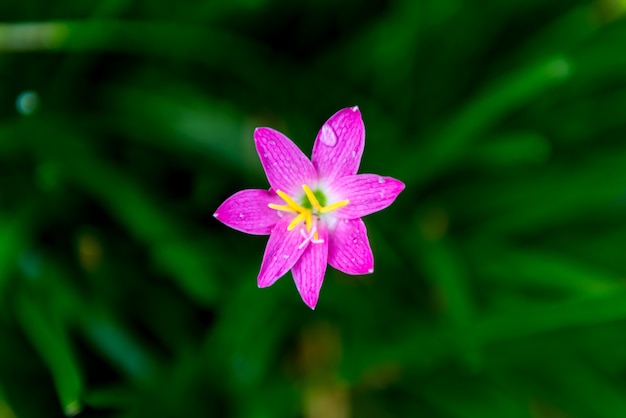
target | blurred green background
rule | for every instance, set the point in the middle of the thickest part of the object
(499, 287)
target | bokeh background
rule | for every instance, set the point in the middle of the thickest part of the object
(499, 288)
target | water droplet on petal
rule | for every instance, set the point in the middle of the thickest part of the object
(354, 241)
(271, 142)
(241, 215)
(355, 108)
(285, 256)
(328, 136)
(353, 259)
(381, 180)
(353, 153)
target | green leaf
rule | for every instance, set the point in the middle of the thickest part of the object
(451, 140)
(50, 340)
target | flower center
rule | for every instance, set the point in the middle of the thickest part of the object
(315, 204)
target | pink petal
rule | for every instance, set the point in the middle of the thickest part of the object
(281, 252)
(339, 145)
(367, 193)
(349, 249)
(308, 272)
(247, 211)
(286, 167)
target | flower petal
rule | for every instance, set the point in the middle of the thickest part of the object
(308, 272)
(247, 211)
(367, 193)
(349, 249)
(286, 167)
(282, 251)
(339, 145)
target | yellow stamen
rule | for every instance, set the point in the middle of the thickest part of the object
(283, 208)
(301, 217)
(314, 202)
(309, 220)
(290, 201)
(305, 214)
(334, 206)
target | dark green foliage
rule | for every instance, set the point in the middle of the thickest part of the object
(499, 288)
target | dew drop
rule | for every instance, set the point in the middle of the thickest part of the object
(271, 142)
(241, 216)
(328, 136)
(355, 108)
(285, 256)
(381, 180)
(354, 241)
(27, 102)
(353, 153)
(353, 259)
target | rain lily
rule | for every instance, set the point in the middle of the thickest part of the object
(312, 211)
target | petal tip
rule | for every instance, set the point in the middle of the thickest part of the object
(256, 133)
(261, 280)
(260, 133)
(311, 303)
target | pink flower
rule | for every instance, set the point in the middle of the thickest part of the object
(313, 210)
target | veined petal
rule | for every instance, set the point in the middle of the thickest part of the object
(308, 272)
(282, 251)
(349, 249)
(367, 193)
(286, 167)
(339, 145)
(247, 211)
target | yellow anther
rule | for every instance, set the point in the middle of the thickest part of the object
(309, 220)
(305, 214)
(316, 204)
(290, 201)
(309, 193)
(283, 208)
(334, 206)
(301, 217)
